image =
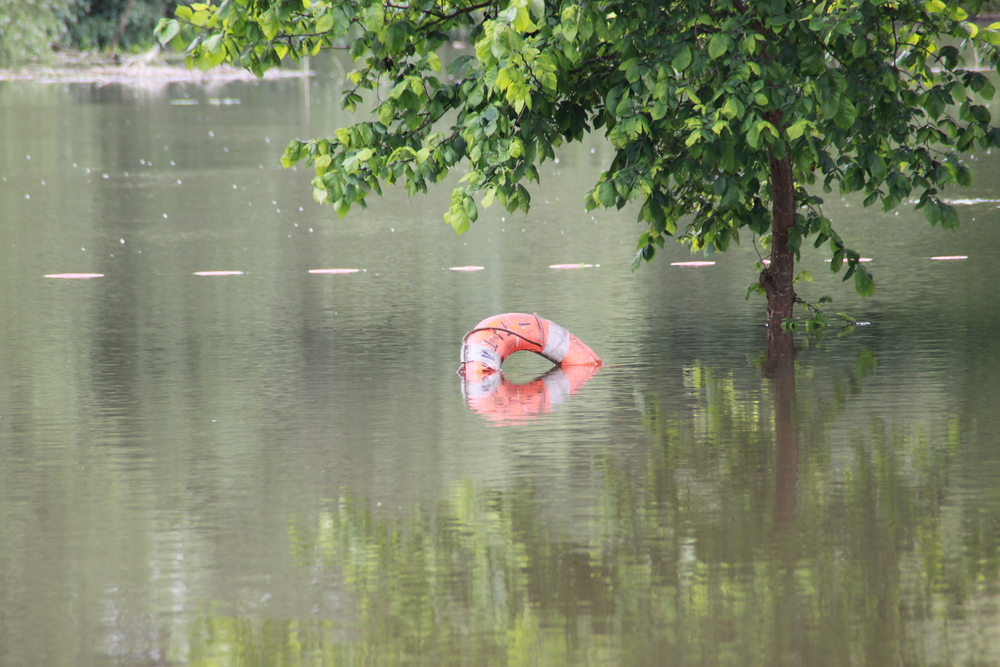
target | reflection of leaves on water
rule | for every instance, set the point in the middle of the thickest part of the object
(680, 556)
(867, 363)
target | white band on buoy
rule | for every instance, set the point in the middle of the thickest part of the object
(484, 355)
(556, 343)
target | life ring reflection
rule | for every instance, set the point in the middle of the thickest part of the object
(498, 399)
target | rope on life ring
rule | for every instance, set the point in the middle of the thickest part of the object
(490, 342)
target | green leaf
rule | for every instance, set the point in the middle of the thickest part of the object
(166, 30)
(636, 261)
(846, 115)
(733, 107)
(522, 21)
(213, 44)
(606, 194)
(796, 129)
(488, 197)
(395, 37)
(293, 153)
(949, 217)
(878, 167)
(269, 23)
(755, 288)
(986, 89)
(863, 281)
(932, 212)
(631, 67)
(719, 45)
(934, 103)
(385, 114)
(325, 22)
(322, 163)
(682, 60)
(458, 213)
(963, 175)
(469, 206)
(375, 17)
(992, 36)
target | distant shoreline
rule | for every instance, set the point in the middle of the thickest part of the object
(156, 66)
(152, 67)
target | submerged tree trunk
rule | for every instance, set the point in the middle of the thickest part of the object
(777, 277)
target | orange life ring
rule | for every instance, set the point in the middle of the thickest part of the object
(496, 338)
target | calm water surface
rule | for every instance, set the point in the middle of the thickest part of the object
(282, 467)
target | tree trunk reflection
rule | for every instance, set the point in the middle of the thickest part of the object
(780, 369)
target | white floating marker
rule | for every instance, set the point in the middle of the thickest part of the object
(571, 266)
(467, 268)
(970, 202)
(950, 257)
(692, 263)
(860, 259)
(218, 273)
(74, 276)
(334, 270)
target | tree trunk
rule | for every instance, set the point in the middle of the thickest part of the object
(777, 277)
(122, 24)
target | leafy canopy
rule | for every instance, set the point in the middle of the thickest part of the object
(698, 97)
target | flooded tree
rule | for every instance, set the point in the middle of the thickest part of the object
(727, 117)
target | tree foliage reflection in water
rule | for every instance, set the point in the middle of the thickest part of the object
(730, 539)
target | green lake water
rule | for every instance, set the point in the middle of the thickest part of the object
(279, 467)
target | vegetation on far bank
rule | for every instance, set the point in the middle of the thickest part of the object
(31, 30)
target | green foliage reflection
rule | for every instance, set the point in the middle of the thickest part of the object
(714, 545)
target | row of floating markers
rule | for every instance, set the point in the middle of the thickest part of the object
(695, 264)
(551, 266)
(944, 258)
(84, 276)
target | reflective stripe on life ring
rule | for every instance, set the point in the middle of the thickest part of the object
(496, 338)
